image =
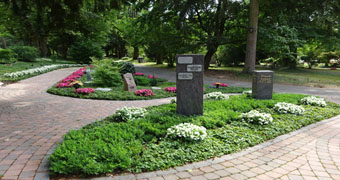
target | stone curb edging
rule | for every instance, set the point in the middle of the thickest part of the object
(208, 162)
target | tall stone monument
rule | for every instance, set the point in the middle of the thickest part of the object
(88, 74)
(262, 87)
(189, 84)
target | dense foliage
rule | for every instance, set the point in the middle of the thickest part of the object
(288, 31)
(111, 145)
(7, 56)
(25, 53)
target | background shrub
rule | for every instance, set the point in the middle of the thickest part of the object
(25, 53)
(82, 50)
(7, 56)
(106, 73)
(126, 67)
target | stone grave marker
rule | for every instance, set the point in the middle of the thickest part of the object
(262, 87)
(129, 83)
(141, 60)
(88, 74)
(189, 84)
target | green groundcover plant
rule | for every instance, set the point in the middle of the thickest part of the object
(114, 146)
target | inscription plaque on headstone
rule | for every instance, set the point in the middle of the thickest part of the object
(194, 68)
(185, 60)
(262, 87)
(189, 84)
(185, 76)
(88, 75)
(129, 82)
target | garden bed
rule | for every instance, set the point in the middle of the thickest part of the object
(147, 140)
(117, 92)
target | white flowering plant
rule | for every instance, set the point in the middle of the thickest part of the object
(216, 96)
(130, 113)
(256, 117)
(38, 70)
(314, 101)
(284, 108)
(248, 93)
(187, 131)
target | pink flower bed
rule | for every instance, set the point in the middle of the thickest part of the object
(66, 82)
(150, 76)
(221, 84)
(144, 92)
(84, 91)
(139, 74)
(170, 89)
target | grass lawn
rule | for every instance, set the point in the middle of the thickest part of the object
(20, 65)
(113, 146)
(318, 77)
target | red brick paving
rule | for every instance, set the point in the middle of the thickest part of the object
(32, 121)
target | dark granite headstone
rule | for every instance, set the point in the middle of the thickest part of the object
(263, 84)
(189, 84)
(141, 60)
(88, 75)
(129, 82)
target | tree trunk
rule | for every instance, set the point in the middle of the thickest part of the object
(159, 59)
(64, 50)
(3, 40)
(43, 46)
(249, 65)
(207, 57)
(135, 53)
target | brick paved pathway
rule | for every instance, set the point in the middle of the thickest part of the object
(32, 121)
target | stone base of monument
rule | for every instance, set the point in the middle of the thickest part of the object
(262, 87)
(88, 82)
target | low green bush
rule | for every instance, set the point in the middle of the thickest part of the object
(25, 53)
(126, 67)
(144, 81)
(7, 56)
(141, 145)
(107, 77)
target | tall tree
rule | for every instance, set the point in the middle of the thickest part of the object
(249, 65)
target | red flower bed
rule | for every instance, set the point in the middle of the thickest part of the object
(66, 82)
(151, 76)
(84, 91)
(139, 74)
(144, 92)
(220, 84)
(170, 89)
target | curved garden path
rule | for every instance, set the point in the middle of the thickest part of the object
(32, 121)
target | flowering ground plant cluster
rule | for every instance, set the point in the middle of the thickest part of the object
(139, 74)
(38, 70)
(248, 93)
(284, 108)
(256, 117)
(130, 113)
(84, 91)
(216, 96)
(218, 84)
(187, 131)
(170, 89)
(314, 101)
(144, 92)
(66, 82)
(152, 77)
